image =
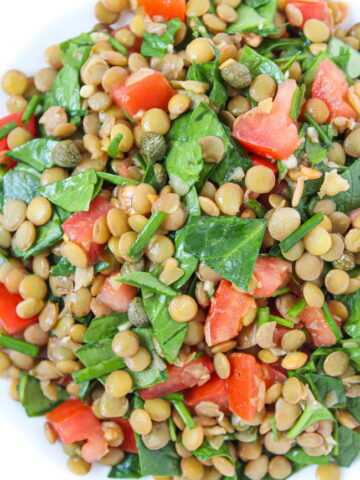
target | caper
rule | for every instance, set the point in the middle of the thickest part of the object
(160, 174)
(128, 267)
(153, 145)
(236, 75)
(136, 313)
(345, 262)
(66, 154)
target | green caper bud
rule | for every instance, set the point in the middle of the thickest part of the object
(128, 267)
(160, 174)
(345, 262)
(153, 145)
(136, 313)
(66, 154)
(236, 75)
(72, 449)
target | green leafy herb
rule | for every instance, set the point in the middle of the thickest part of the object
(149, 174)
(162, 462)
(337, 48)
(326, 389)
(313, 412)
(353, 405)
(185, 173)
(63, 267)
(65, 91)
(114, 147)
(349, 200)
(198, 28)
(257, 64)
(322, 134)
(255, 20)
(6, 129)
(207, 452)
(152, 225)
(32, 398)
(36, 153)
(191, 201)
(76, 51)
(116, 179)
(352, 324)
(30, 109)
(331, 322)
(127, 468)
(300, 232)
(21, 183)
(258, 208)
(148, 281)
(73, 194)
(349, 446)
(297, 308)
(93, 354)
(158, 45)
(187, 262)
(298, 455)
(317, 152)
(233, 259)
(105, 327)
(18, 345)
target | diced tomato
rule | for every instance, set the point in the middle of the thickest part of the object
(75, 422)
(116, 295)
(274, 134)
(138, 41)
(181, 378)
(228, 307)
(16, 117)
(129, 443)
(312, 9)
(330, 85)
(9, 319)
(272, 274)
(212, 391)
(316, 324)
(256, 160)
(141, 91)
(271, 375)
(123, 166)
(243, 385)
(167, 9)
(79, 227)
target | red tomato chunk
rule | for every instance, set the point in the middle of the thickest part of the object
(9, 319)
(313, 9)
(116, 295)
(16, 117)
(167, 9)
(212, 391)
(272, 274)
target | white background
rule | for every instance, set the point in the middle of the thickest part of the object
(27, 27)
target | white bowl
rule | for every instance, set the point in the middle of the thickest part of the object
(26, 29)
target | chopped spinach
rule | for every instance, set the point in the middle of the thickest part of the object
(298, 455)
(76, 51)
(94, 354)
(183, 165)
(326, 389)
(65, 91)
(35, 154)
(207, 452)
(257, 64)
(148, 281)
(349, 446)
(149, 174)
(349, 200)
(313, 412)
(105, 327)
(255, 19)
(187, 262)
(337, 49)
(162, 462)
(154, 45)
(127, 468)
(21, 183)
(116, 179)
(352, 324)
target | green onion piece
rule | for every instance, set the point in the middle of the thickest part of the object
(117, 179)
(6, 129)
(281, 321)
(178, 402)
(103, 368)
(297, 308)
(331, 322)
(263, 315)
(273, 428)
(290, 62)
(145, 235)
(296, 104)
(19, 345)
(282, 59)
(114, 43)
(282, 291)
(172, 429)
(300, 232)
(258, 208)
(319, 130)
(30, 109)
(114, 147)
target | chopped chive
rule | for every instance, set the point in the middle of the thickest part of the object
(290, 62)
(114, 147)
(258, 208)
(331, 322)
(297, 103)
(263, 315)
(117, 45)
(6, 129)
(19, 345)
(297, 308)
(172, 429)
(300, 232)
(145, 235)
(178, 402)
(117, 179)
(103, 368)
(273, 428)
(281, 321)
(282, 59)
(319, 130)
(282, 291)
(30, 109)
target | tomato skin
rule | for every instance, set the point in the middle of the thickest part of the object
(271, 375)
(272, 274)
(274, 134)
(214, 390)
(78, 228)
(165, 8)
(256, 160)
(228, 307)
(180, 378)
(9, 319)
(316, 324)
(141, 91)
(129, 443)
(317, 9)
(116, 295)
(330, 85)
(243, 385)
(16, 117)
(74, 422)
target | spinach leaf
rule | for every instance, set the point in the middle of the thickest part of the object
(86, 389)
(349, 200)
(317, 151)
(353, 405)
(105, 327)
(98, 352)
(257, 64)
(63, 267)
(313, 412)
(116, 179)
(36, 153)
(191, 201)
(21, 183)
(256, 3)
(76, 51)
(349, 446)
(183, 165)
(228, 245)
(234, 164)
(149, 174)
(154, 45)
(187, 262)
(206, 452)
(73, 194)
(127, 468)
(148, 281)
(169, 334)
(162, 462)
(179, 127)
(197, 28)
(209, 72)
(65, 91)
(326, 389)
(336, 48)
(297, 455)
(32, 398)
(352, 324)
(255, 20)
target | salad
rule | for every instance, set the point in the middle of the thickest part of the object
(180, 240)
